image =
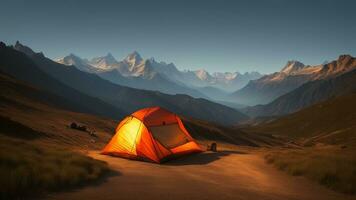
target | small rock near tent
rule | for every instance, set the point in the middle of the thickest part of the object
(151, 134)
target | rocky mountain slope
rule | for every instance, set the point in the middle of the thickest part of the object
(306, 95)
(293, 75)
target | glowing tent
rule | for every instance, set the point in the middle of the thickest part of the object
(151, 134)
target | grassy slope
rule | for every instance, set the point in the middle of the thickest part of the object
(35, 109)
(27, 169)
(206, 131)
(38, 151)
(330, 166)
(327, 133)
(332, 122)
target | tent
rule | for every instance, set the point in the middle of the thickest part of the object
(151, 134)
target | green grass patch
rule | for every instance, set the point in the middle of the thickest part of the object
(26, 169)
(334, 168)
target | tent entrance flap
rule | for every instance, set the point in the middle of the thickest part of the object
(170, 135)
(127, 135)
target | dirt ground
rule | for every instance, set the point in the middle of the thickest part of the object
(229, 174)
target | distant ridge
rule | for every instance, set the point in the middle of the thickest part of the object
(314, 91)
(135, 71)
(294, 74)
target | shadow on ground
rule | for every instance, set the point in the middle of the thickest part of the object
(201, 158)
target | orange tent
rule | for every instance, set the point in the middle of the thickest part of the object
(151, 134)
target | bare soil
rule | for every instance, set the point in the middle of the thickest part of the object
(231, 173)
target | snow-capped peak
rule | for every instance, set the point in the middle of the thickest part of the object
(292, 67)
(71, 59)
(133, 59)
(104, 62)
(202, 74)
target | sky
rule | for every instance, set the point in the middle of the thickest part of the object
(220, 35)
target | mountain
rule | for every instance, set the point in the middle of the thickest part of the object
(332, 122)
(12, 88)
(124, 98)
(26, 50)
(203, 75)
(236, 80)
(72, 59)
(21, 67)
(294, 74)
(132, 66)
(104, 63)
(309, 93)
(226, 81)
(203, 81)
(133, 71)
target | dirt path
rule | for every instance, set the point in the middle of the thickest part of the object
(224, 175)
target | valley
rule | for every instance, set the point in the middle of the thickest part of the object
(270, 151)
(177, 100)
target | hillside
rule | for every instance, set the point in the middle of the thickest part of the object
(206, 131)
(332, 122)
(19, 66)
(306, 95)
(29, 112)
(40, 152)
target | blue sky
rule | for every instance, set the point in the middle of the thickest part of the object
(220, 35)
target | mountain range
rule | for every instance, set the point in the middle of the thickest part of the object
(336, 78)
(72, 84)
(111, 88)
(134, 71)
(269, 87)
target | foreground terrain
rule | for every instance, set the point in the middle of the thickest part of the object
(229, 174)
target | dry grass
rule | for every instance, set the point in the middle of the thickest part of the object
(332, 122)
(333, 167)
(27, 170)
